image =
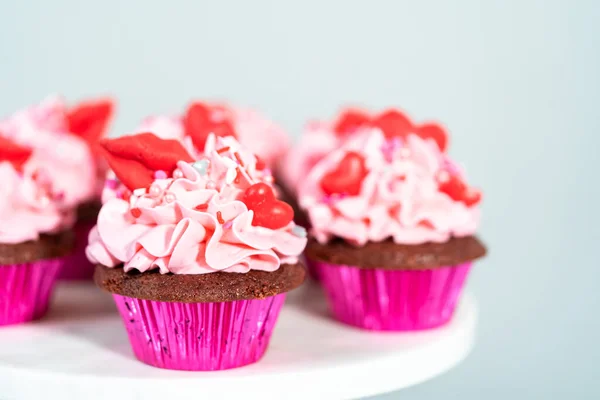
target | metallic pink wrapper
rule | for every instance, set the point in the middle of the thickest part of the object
(26, 289)
(199, 336)
(77, 267)
(392, 300)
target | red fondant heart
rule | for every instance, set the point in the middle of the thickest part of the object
(13, 153)
(350, 120)
(90, 119)
(393, 123)
(347, 177)
(459, 191)
(268, 211)
(435, 132)
(134, 159)
(198, 125)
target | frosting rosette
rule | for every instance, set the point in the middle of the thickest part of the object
(62, 141)
(254, 131)
(29, 205)
(170, 212)
(389, 180)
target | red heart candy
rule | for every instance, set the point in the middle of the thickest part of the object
(268, 211)
(13, 153)
(350, 120)
(347, 177)
(435, 132)
(393, 123)
(198, 125)
(459, 191)
(90, 119)
(134, 159)
(257, 194)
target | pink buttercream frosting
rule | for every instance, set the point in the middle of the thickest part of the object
(399, 197)
(254, 131)
(193, 222)
(317, 140)
(28, 204)
(65, 159)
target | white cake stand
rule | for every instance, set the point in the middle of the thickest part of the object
(80, 351)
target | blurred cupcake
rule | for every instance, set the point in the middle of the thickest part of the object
(197, 254)
(255, 132)
(66, 137)
(35, 235)
(392, 224)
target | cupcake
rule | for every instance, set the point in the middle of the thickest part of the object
(198, 254)
(255, 132)
(35, 235)
(66, 137)
(392, 226)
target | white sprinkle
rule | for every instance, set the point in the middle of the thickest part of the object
(230, 176)
(201, 166)
(139, 192)
(299, 231)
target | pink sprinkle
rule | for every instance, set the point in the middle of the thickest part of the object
(160, 174)
(227, 225)
(111, 184)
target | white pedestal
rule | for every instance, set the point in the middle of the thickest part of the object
(81, 351)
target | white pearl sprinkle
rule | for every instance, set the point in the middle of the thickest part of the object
(139, 192)
(155, 191)
(170, 197)
(178, 174)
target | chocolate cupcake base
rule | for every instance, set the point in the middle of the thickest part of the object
(205, 288)
(389, 255)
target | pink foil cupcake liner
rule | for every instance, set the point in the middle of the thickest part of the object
(392, 300)
(199, 336)
(26, 289)
(77, 267)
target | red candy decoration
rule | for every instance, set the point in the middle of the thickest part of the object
(198, 125)
(13, 153)
(350, 120)
(435, 132)
(90, 119)
(347, 177)
(393, 123)
(134, 159)
(269, 212)
(459, 191)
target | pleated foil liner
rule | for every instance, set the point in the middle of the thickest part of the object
(392, 300)
(26, 290)
(199, 336)
(77, 267)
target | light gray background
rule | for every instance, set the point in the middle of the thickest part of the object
(516, 82)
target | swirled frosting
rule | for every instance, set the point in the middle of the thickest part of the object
(65, 158)
(193, 222)
(255, 132)
(405, 188)
(28, 205)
